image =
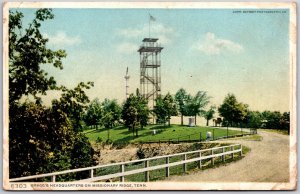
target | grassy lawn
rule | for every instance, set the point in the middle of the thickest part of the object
(121, 133)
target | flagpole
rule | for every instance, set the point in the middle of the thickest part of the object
(149, 24)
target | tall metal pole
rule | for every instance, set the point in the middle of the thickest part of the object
(126, 81)
(126, 88)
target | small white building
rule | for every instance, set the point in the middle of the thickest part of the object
(191, 122)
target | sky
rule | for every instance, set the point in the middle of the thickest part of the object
(219, 51)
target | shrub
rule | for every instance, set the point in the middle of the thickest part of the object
(99, 140)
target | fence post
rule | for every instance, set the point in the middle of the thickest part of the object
(53, 178)
(227, 132)
(200, 162)
(122, 169)
(92, 173)
(147, 172)
(212, 159)
(184, 165)
(223, 156)
(241, 153)
(200, 136)
(167, 168)
(232, 153)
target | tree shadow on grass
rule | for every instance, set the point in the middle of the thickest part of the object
(127, 132)
(130, 132)
(125, 139)
(130, 137)
(161, 127)
(94, 131)
(148, 133)
(105, 129)
(121, 127)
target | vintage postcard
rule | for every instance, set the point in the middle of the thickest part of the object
(149, 96)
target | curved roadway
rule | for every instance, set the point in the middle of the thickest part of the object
(268, 161)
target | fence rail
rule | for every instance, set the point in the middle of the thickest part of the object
(182, 139)
(201, 155)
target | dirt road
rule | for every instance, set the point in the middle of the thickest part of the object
(268, 161)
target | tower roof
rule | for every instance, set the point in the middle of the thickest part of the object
(150, 49)
(150, 39)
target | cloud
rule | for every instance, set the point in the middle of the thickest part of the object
(60, 38)
(211, 45)
(164, 33)
(127, 48)
(130, 32)
(130, 35)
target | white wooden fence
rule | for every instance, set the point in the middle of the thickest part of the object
(197, 156)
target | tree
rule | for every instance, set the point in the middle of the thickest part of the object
(160, 111)
(41, 139)
(196, 104)
(181, 99)
(129, 114)
(254, 119)
(276, 120)
(74, 103)
(165, 108)
(170, 106)
(142, 110)
(135, 112)
(285, 121)
(93, 114)
(27, 52)
(111, 114)
(81, 155)
(232, 111)
(208, 115)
